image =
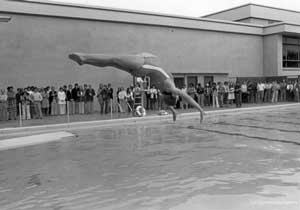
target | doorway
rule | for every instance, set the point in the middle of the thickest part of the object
(208, 79)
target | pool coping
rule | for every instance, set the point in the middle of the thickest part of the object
(132, 120)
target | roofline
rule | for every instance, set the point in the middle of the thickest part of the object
(115, 9)
(226, 10)
(64, 4)
(251, 4)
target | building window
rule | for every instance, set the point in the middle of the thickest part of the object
(291, 52)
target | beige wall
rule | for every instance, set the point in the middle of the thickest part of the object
(34, 50)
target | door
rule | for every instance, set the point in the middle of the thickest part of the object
(193, 80)
(179, 82)
(208, 79)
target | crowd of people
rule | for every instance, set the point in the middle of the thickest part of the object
(224, 94)
(35, 103)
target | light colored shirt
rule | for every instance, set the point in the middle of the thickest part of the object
(122, 95)
(3, 97)
(61, 96)
(244, 88)
(261, 87)
(37, 96)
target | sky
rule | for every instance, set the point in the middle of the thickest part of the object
(194, 8)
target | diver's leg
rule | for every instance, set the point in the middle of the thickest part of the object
(173, 112)
(92, 59)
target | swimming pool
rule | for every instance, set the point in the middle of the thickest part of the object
(231, 161)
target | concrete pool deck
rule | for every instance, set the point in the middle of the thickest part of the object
(52, 124)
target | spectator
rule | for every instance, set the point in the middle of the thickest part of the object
(226, 91)
(148, 100)
(238, 94)
(283, 91)
(207, 94)
(191, 91)
(268, 92)
(45, 101)
(215, 96)
(100, 98)
(275, 88)
(86, 111)
(80, 96)
(3, 105)
(252, 89)
(221, 92)
(244, 91)
(53, 100)
(290, 91)
(75, 94)
(25, 101)
(61, 98)
(231, 96)
(200, 95)
(70, 100)
(110, 93)
(11, 104)
(122, 100)
(18, 100)
(183, 103)
(105, 99)
(296, 91)
(37, 100)
(90, 93)
(153, 97)
(260, 92)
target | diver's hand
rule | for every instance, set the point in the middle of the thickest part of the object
(201, 116)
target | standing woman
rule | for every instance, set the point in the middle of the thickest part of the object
(3, 105)
(81, 96)
(215, 93)
(231, 94)
(11, 103)
(45, 102)
(53, 99)
(61, 98)
(122, 99)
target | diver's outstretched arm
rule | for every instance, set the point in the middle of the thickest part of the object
(190, 100)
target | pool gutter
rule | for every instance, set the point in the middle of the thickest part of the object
(133, 120)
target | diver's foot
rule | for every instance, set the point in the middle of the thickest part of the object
(77, 58)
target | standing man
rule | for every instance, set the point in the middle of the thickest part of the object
(110, 93)
(74, 92)
(200, 93)
(100, 98)
(70, 100)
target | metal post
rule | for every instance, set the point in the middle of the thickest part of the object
(20, 115)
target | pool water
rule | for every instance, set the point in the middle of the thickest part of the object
(232, 161)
